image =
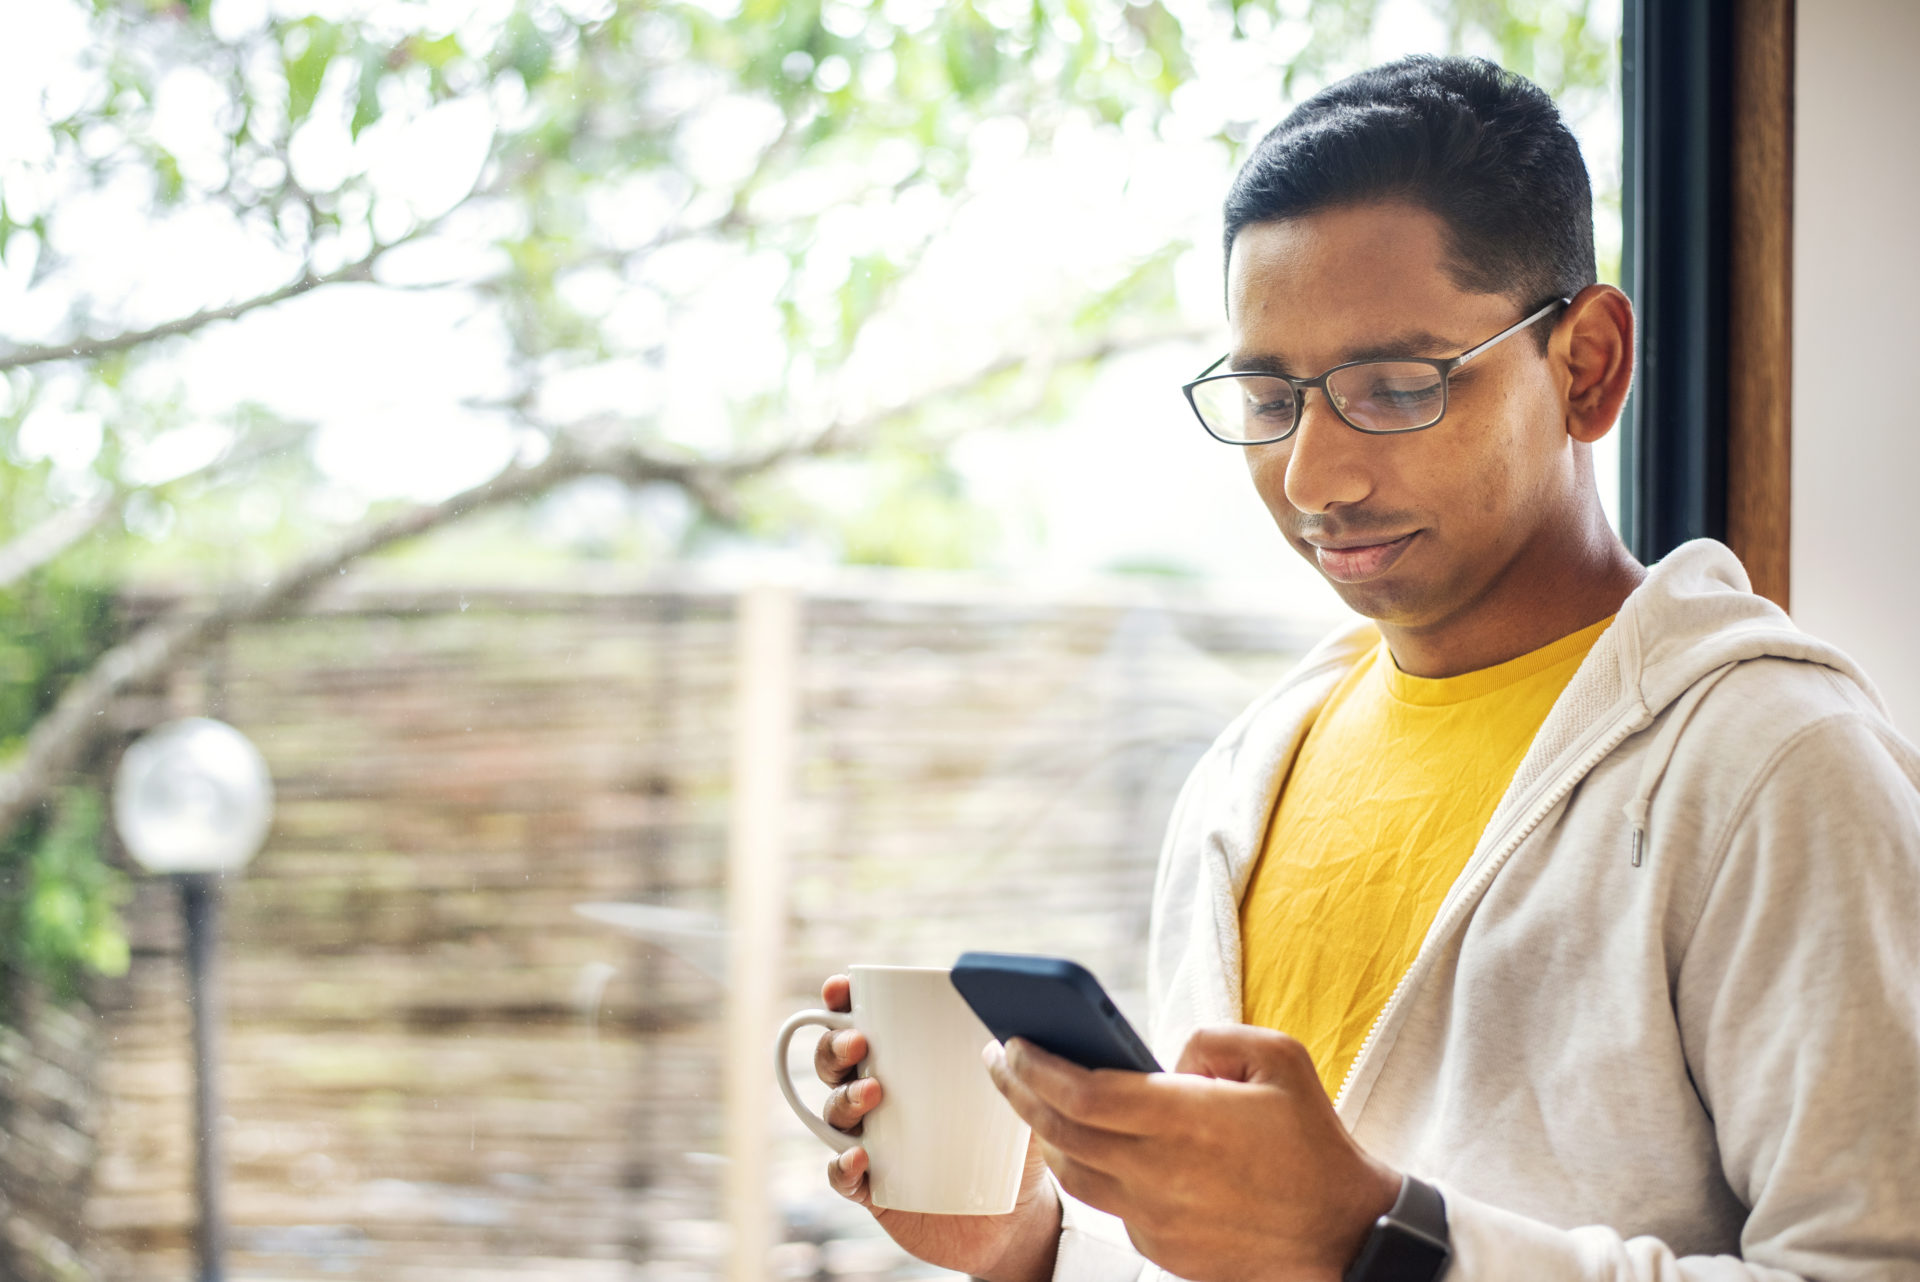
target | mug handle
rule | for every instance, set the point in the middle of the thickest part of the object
(836, 1139)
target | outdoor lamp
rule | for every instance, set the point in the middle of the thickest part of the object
(193, 796)
(192, 800)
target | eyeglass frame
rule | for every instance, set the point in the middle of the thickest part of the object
(1445, 366)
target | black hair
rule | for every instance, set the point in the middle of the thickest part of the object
(1479, 147)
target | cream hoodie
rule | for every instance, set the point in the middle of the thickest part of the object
(1666, 1023)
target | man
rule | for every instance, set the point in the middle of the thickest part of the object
(1567, 914)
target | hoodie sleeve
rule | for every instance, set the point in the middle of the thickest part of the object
(1799, 1007)
(1094, 1246)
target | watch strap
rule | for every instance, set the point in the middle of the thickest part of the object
(1421, 1207)
(1409, 1243)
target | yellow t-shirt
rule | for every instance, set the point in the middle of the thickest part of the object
(1388, 796)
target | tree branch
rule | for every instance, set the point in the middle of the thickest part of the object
(89, 348)
(48, 539)
(360, 270)
(61, 739)
(847, 434)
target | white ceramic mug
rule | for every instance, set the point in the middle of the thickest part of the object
(942, 1139)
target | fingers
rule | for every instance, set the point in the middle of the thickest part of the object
(836, 1057)
(838, 1054)
(1108, 1099)
(847, 1104)
(1242, 1053)
(1064, 1138)
(847, 1176)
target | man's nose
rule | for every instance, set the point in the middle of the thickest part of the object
(1329, 463)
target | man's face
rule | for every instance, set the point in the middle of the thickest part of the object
(1413, 530)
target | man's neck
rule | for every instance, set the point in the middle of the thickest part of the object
(1554, 594)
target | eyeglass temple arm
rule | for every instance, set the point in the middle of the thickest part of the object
(1508, 332)
(1457, 361)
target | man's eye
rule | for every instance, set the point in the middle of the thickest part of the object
(1406, 395)
(1264, 400)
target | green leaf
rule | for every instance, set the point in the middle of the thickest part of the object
(366, 99)
(527, 50)
(168, 180)
(68, 918)
(308, 68)
(435, 53)
(972, 56)
(868, 283)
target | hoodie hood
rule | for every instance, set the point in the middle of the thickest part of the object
(1690, 623)
(1697, 612)
(1691, 620)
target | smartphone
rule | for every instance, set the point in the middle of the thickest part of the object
(1054, 1003)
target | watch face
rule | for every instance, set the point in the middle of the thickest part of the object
(1395, 1253)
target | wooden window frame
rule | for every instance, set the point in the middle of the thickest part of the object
(1760, 315)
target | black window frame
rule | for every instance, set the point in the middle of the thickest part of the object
(1676, 65)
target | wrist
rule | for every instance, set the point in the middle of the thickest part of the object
(1030, 1254)
(1384, 1183)
(1376, 1192)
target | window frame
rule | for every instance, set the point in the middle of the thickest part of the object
(1707, 213)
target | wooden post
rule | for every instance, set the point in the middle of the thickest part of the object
(766, 710)
(1760, 296)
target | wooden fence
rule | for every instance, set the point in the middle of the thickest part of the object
(435, 1068)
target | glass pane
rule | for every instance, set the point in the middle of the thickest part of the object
(917, 304)
(1248, 407)
(1389, 396)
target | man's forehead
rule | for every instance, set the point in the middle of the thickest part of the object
(1347, 284)
(1383, 242)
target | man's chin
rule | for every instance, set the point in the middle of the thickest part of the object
(1392, 597)
(1383, 600)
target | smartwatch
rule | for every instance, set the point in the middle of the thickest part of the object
(1409, 1242)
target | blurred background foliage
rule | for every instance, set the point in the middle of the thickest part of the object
(57, 898)
(707, 231)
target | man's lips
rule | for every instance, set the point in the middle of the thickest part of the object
(1347, 561)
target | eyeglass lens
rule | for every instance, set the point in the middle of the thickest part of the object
(1378, 396)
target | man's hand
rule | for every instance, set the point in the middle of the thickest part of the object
(1016, 1247)
(1232, 1168)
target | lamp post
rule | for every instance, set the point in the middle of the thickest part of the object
(192, 800)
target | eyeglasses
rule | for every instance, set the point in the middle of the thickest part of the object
(1378, 397)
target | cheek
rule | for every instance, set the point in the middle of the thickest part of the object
(1466, 481)
(1508, 471)
(1499, 484)
(1267, 465)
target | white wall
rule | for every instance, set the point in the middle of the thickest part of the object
(1856, 328)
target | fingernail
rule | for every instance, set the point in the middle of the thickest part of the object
(863, 1091)
(992, 1055)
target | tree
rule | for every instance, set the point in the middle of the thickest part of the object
(691, 245)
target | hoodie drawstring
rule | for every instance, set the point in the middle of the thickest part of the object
(1661, 754)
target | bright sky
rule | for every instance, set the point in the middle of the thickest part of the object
(390, 377)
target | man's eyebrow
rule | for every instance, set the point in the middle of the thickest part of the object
(1413, 342)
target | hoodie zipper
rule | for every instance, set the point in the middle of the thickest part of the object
(1470, 889)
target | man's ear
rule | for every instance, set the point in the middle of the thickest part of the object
(1592, 351)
